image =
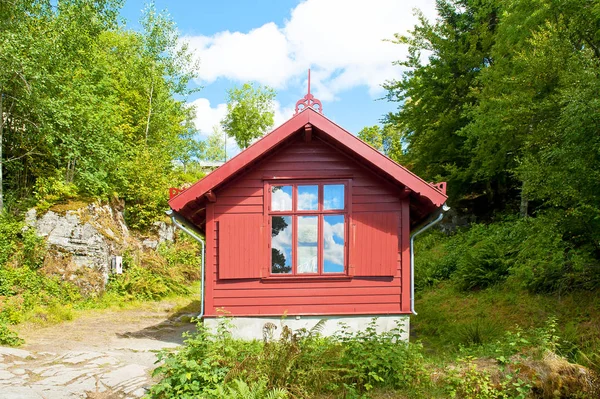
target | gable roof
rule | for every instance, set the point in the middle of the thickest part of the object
(425, 198)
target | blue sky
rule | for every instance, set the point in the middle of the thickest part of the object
(275, 42)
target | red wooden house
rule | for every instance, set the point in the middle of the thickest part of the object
(309, 222)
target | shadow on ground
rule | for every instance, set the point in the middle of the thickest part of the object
(172, 328)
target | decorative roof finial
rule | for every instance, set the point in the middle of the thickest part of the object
(308, 101)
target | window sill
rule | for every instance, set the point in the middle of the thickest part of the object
(278, 279)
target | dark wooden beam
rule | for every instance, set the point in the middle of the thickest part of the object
(210, 196)
(307, 133)
(405, 193)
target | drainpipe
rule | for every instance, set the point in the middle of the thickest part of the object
(445, 208)
(175, 218)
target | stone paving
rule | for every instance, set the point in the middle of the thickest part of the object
(113, 362)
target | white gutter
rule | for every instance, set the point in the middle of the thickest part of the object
(445, 208)
(195, 236)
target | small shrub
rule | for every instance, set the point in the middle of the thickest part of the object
(478, 331)
(150, 276)
(380, 359)
(238, 389)
(10, 230)
(466, 381)
(33, 250)
(9, 337)
(200, 367)
(25, 289)
(51, 190)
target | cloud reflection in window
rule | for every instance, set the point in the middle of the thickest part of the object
(281, 198)
(281, 244)
(333, 243)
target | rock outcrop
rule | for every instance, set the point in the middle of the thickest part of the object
(89, 235)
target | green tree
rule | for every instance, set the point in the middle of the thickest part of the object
(384, 139)
(249, 113)
(506, 109)
(435, 93)
(215, 146)
(372, 135)
(84, 100)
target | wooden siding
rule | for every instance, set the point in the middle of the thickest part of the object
(374, 239)
(245, 233)
(243, 197)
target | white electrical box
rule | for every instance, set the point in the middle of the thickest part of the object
(117, 264)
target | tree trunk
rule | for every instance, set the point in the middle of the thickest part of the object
(149, 109)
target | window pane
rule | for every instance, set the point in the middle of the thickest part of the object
(307, 244)
(308, 198)
(281, 244)
(333, 243)
(281, 198)
(333, 196)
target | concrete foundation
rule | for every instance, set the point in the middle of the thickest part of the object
(250, 328)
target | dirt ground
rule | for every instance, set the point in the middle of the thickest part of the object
(100, 355)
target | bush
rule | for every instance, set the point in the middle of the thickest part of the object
(25, 289)
(537, 253)
(153, 275)
(300, 364)
(380, 359)
(10, 229)
(8, 337)
(51, 190)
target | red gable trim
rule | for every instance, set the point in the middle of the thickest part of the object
(346, 139)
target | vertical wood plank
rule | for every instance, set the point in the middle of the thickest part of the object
(405, 262)
(210, 266)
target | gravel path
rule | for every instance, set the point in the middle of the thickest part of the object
(103, 355)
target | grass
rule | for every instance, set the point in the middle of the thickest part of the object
(448, 319)
(109, 302)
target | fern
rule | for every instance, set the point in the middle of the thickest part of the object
(241, 390)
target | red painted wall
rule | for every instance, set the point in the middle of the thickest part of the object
(377, 240)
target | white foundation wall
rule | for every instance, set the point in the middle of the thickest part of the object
(250, 328)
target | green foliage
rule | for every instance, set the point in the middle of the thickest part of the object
(505, 108)
(375, 359)
(22, 287)
(529, 253)
(468, 382)
(240, 390)
(215, 146)
(503, 320)
(435, 94)
(385, 139)
(152, 276)
(51, 190)
(8, 337)
(299, 364)
(25, 289)
(9, 231)
(249, 113)
(89, 108)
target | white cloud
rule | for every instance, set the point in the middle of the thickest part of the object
(260, 55)
(207, 117)
(341, 40)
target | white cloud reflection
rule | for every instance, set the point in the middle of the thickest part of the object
(281, 198)
(332, 250)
